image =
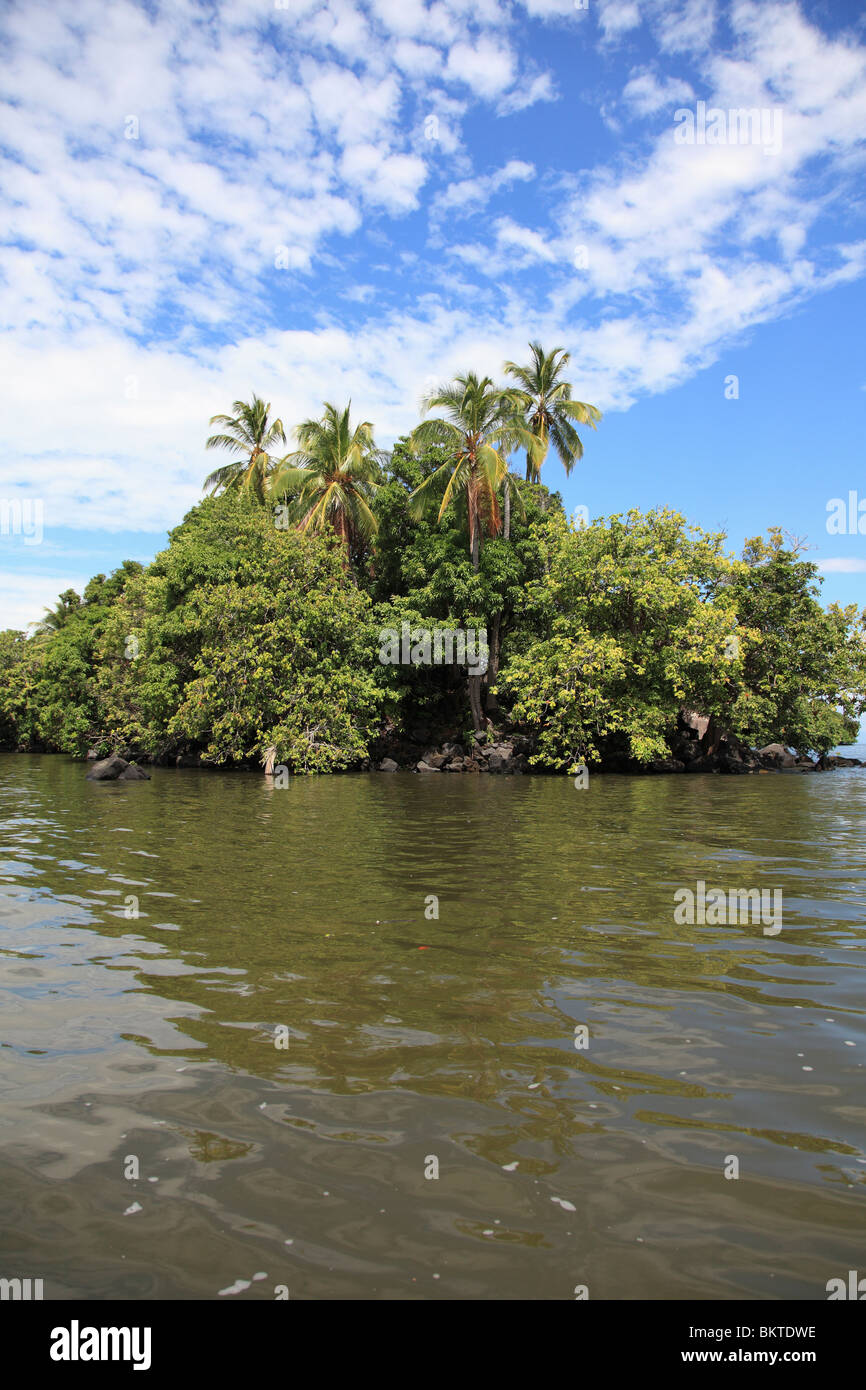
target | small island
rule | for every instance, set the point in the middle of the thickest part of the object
(336, 607)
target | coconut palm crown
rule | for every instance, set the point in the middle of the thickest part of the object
(250, 434)
(548, 409)
(482, 425)
(330, 479)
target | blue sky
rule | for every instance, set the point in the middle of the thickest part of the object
(358, 198)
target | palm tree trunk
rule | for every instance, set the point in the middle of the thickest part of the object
(475, 703)
(506, 524)
(490, 700)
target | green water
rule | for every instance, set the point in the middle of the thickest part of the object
(303, 908)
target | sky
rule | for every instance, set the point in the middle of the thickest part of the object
(357, 199)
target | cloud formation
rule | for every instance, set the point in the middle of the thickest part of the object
(350, 196)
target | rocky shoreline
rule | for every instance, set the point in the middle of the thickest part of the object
(698, 745)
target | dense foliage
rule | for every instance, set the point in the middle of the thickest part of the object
(257, 634)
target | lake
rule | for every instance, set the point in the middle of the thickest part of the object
(250, 1086)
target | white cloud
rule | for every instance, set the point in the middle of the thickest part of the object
(680, 25)
(685, 27)
(469, 196)
(618, 16)
(541, 88)
(26, 594)
(488, 66)
(391, 180)
(645, 93)
(843, 565)
(152, 260)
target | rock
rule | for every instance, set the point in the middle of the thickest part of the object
(425, 767)
(133, 773)
(687, 751)
(776, 755)
(188, 760)
(697, 723)
(91, 754)
(436, 760)
(667, 765)
(388, 765)
(498, 762)
(107, 769)
(834, 760)
(455, 765)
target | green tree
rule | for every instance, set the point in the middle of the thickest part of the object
(628, 623)
(801, 680)
(250, 434)
(332, 476)
(422, 574)
(545, 402)
(260, 638)
(479, 428)
(57, 617)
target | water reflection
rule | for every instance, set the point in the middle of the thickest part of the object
(304, 909)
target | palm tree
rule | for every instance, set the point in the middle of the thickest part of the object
(331, 477)
(57, 617)
(482, 426)
(548, 409)
(249, 434)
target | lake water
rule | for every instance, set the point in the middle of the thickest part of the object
(148, 1044)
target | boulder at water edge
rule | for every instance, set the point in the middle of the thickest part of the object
(107, 769)
(116, 769)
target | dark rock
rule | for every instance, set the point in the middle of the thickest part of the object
(425, 767)
(702, 764)
(777, 755)
(188, 760)
(107, 769)
(388, 765)
(667, 765)
(134, 773)
(686, 751)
